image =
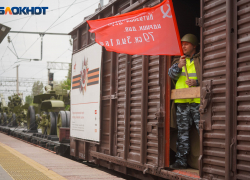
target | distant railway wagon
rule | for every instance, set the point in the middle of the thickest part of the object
(129, 128)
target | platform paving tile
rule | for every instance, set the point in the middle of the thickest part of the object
(65, 167)
(4, 175)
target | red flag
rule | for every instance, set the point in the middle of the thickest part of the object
(148, 31)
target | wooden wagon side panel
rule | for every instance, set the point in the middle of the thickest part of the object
(242, 67)
(135, 125)
(153, 110)
(106, 103)
(121, 85)
(213, 64)
(84, 36)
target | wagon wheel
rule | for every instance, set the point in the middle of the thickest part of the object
(51, 129)
(7, 119)
(13, 120)
(38, 121)
(31, 119)
(1, 119)
(4, 119)
(68, 118)
(61, 121)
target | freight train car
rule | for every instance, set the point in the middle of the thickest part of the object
(129, 128)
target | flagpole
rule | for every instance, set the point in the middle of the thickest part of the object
(177, 34)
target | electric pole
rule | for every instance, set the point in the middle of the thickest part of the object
(48, 76)
(101, 3)
(17, 82)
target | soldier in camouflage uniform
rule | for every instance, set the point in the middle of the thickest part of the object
(187, 109)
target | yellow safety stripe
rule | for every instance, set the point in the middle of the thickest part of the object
(20, 167)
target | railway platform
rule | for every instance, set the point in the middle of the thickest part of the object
(20, 160)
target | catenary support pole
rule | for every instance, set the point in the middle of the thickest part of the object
(17, 81)
(101, 3)
(41, 45)
(48, 76)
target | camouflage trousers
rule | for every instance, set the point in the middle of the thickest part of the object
(186, 114)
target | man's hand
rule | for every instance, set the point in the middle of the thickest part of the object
(191, 82)
(182, 62)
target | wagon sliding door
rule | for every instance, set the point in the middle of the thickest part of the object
(217, 89)
(139, 109)
(213, 89)
(241, 166)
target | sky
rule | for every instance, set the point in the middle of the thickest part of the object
(61, 17)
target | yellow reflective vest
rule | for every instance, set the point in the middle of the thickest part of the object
(181, 84)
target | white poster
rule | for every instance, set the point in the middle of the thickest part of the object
(85, 94)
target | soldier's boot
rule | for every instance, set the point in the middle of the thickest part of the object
(181, 160)
(177, 165)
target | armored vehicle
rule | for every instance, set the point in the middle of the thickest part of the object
(3, 111)
(17, 110)
(48, 113)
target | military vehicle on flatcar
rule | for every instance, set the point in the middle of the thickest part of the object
(17, 110)
(48, 112)
(4, 110)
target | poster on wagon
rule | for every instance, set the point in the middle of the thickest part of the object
(85, 94)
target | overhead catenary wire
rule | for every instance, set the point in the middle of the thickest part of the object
(7, 68)
(2, 64)
(14, 38)
(51, 61)
(2, 61)
(58, 24)
(26, 22)
(16, 56)
(39, 71)
(31, 65)
(21, 79)
(12, 51)
(14, 48)
(60, 16)
(24, 42)
(67, 6)
(11, 41)
(3, 56)
(49, 27)
(21, 28)
(74, 15)
(58, 8)
(46, 11)
(30, 46)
